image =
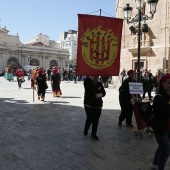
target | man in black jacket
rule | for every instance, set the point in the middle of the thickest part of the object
(94, 91)
(125, 100)
(49, 74)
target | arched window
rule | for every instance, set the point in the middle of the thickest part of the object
(53, 63)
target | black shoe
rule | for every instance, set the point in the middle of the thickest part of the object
(95, 137)
(130, 125)
(85, 132)
(120, 123)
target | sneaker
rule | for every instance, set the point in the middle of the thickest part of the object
(95, 137)
(129, 125)
(154, 167)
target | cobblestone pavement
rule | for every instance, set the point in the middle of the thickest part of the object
(49, 135)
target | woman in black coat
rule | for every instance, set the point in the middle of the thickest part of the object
(41, 84)
(94, 91)
(55, 82)
(125, 100)
(161, 123)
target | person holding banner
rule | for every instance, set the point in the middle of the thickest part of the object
(125, 100)
(94, 91)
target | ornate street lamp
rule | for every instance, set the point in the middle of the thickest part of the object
(137, 19)
(30, 60)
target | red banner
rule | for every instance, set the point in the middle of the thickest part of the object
(99, 43)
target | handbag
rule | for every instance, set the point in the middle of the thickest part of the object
(22, 80)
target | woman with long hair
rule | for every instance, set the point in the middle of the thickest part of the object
(161, 123)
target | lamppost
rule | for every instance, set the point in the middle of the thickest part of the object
(137, 19)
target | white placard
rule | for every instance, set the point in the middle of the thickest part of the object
(135, 88)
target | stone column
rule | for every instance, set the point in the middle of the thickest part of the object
(4, 60)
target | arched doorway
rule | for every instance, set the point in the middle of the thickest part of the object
(34, 62)
(14, 62)
(53, 63)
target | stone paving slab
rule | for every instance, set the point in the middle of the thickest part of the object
(49, 135)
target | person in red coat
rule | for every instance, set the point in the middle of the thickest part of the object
(20, 76)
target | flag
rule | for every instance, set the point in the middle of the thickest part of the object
(99, 43)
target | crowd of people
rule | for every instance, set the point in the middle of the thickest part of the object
(94, 87)
(38, 77)
(161, 109)
(150, 81)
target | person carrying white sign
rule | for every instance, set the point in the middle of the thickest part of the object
(125, 100)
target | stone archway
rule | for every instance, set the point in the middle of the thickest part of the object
(53, 63)
(34, 62)
(14, 62)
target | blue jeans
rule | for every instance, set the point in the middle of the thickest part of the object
(163, 151)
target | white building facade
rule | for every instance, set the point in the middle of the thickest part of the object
(38, 51)
(155, 44)
(68, 40)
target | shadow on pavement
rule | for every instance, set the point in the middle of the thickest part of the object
(69, 97)
(51, 136)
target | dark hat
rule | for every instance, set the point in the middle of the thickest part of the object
(165, 77)
(130, 71)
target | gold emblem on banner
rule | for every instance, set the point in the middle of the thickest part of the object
(99, 47)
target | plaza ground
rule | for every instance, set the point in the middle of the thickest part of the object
(49, 135)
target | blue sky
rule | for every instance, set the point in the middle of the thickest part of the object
(31, 17)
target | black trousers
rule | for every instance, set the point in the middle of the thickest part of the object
(126, 110)
(93, 116)
(149, 94)
(41, 92)
(19, 82)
